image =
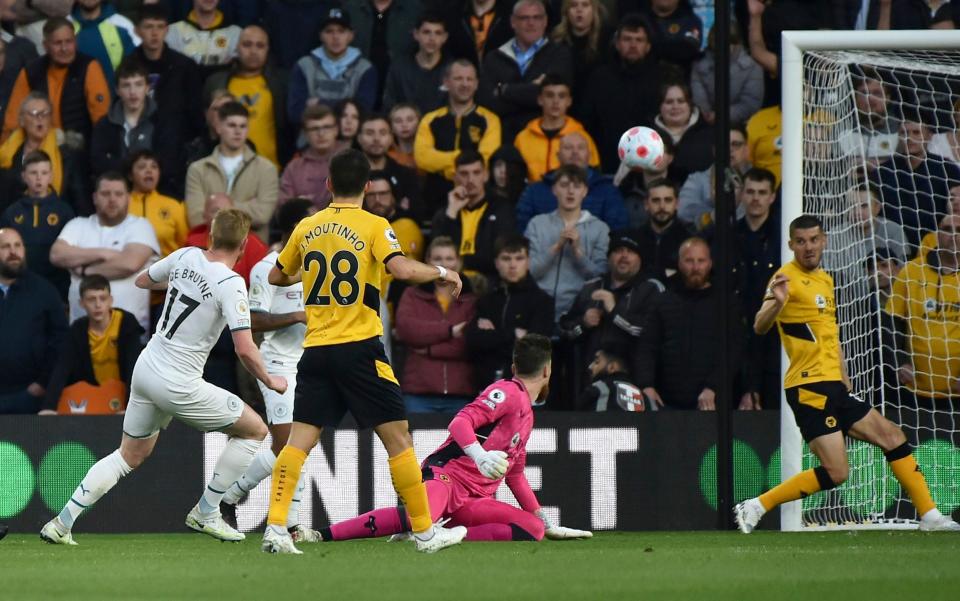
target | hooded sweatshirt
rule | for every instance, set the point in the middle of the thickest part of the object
(562, 275)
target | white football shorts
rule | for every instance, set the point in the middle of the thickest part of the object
(279, 406)
(154, 401)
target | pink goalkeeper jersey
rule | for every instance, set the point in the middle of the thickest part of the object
(502, 419)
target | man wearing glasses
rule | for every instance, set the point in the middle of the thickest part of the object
(513, 72)
(306, 175)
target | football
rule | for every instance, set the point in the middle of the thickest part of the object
(641, 148)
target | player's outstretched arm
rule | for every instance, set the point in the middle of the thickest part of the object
(249, 355)
(145, 282)
(415, 272)
(773, 303)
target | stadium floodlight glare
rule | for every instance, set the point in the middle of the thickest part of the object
(830, 143)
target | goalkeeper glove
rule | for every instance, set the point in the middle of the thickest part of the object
(555, 532)
(492, 464)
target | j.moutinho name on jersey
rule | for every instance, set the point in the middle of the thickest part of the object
(336, 229)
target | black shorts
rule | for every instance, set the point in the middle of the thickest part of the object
(824, 407)
(354, 377)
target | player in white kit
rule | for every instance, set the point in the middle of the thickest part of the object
(278, 311)
(203, 295)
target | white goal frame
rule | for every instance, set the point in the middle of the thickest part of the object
(794, 43)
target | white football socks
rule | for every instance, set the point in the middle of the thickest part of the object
(260, 468)
(99, 479)
(293, 515)
(234, 460)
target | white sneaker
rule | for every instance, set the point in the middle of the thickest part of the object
(275, 542)
(55, 533)
(748, 514)
(302, 534)
(441, 539)
(212, 525)
(934, 521)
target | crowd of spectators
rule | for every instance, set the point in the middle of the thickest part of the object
(491, 127)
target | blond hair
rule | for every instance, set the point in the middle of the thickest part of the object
(563, 32)
(229, 229)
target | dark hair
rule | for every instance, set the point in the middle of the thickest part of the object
(316, 112)
(373, 116)
(881, 253)
(380, 174)
(553, 79)
(468, 157)
(511, 242)
(291, 213)
(94, 281)
(738, 126)
(55, 24)
(111, 176)
(687, 94)
(429, 16)
(153, 12)
(349, 172)
(615, 353)
(531, 353)
(136, 155)
(661, 182)
(759, 174)
(232, 109)
(633, 22)
(37, 156)
(574, 173)
(131, 67)
(805, 222)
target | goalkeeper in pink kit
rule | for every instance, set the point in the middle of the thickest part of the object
(487, 444)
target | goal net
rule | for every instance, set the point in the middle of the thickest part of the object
(869, 146)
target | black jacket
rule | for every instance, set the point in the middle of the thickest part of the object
(462, 40)
(175, 81)
(277, 82)
(509, 306)
(614, 392)
(621, 327)
(75, 364)
(618, 96)
(694, 152)
(109, 148)
(497, 219)
(659, 251)
(513, 96)
(680, 353)
(33, 322)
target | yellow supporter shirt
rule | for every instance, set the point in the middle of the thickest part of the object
(808, 327)
(341, 252)
(168, 217)
(103, 350)
(929, 300)
(764, 140)
(254, 94)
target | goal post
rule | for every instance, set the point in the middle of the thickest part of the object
(821, 167)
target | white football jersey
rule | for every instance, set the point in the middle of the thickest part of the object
(281, 349)
(202, 297)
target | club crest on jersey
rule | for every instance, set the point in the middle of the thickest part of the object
(820, 302)
(515, 440)
(930, 305)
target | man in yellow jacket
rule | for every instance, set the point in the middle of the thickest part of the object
(539, 141)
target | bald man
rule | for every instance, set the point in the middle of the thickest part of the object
(260, 88)
(33, 322)
(677, 363)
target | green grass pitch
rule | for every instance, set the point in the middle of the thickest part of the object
(662, 566)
